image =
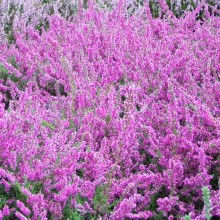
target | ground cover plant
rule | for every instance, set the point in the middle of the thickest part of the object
(106, 114)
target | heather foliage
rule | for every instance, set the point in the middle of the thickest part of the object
(109, 116)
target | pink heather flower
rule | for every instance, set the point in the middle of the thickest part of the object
(26, 192)
(6, 185)
(140, 215)
(88, 208)
(20, 216)
(10, 201)
(171, 217)
(1, 215)
(123, 209)
(166, 204)
(23, 208)
(6, 211)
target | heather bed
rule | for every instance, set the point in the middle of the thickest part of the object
(108, 116)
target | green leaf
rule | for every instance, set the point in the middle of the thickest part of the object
(13, 62)
(69, 213)
(187, 217)
(206, 199)
(3, 71)
(81, 200)
(47, 124)
(16, 193)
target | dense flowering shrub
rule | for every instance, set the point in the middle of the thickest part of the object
(114, 117)
(36, 12)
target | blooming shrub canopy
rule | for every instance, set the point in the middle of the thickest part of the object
(111, 116)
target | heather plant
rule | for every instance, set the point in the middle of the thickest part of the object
(36, 12)
(109, 116)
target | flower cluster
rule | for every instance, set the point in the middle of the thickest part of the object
(107, 116)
